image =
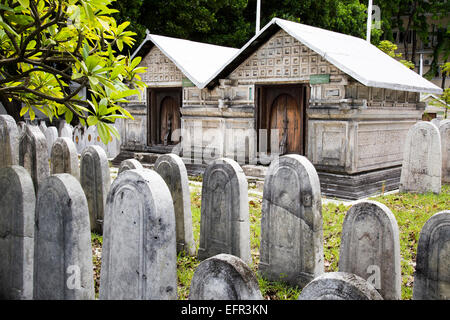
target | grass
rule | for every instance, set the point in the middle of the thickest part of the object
(410, 210)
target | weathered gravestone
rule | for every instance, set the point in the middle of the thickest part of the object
(129, 164)
(78, 138)
(436, 122)
(291, 222)
(17, 204)
(9, 141)
(225, 226)
(444, 130)
(67, 131)
(63, 268)
(339, 286)
(51, 134)
(432, 278)
(33, 154)
(43, 126)
(65, 157)
(95, 179)
(370, 247)
(224, 277)
(21, 126)
(172, 169)
(422, 163)
(139, 246)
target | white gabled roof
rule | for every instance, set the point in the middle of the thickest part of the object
(197, 61)
(354, 56)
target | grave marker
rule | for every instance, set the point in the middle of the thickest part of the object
(64, 157)
(33, 154)
(9, 141)
(17, 205)
(95, 179)
(370, 247)
(63, 268)
(432, 277)
(339, 286)
(139, 245)
(224, 277)
(225, 226)
(291, 222)
(422, 162)
(172, 169)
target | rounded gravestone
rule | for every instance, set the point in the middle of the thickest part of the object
(224, 277)
(339, 286)
(17, 207)
(78, 138)
(63, 268)
(9, 141)
(370, 247)
(422, 160)
(444, 130)
(225, 226)
(43, 126)
(172, 169)
(51, 134)
(64, 157)
(291, 222)
(33, 154)
(432, 277)
(139, 259)
(67, 131)
(95, 179)
(129, 164)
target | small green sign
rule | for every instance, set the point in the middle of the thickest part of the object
(319, 78)
(185, 82)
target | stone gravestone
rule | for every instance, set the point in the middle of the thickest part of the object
(21, 126)
(432, 278)
(67, 131)
(9, 141)
(64, 157)
(43, 126)
(63, 268)
(436, 122)
(172, 169)
(17, 204)
(370, 247)
(291, 222)
(78, 138)
(139, 259)
(422, 163)
(224, 277)
(129, 164)
(33, 154)
(95, 179)
(225, 226)
(339, 286)
(444, 130)
(51, 134)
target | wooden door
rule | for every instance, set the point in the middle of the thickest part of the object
(285, 117)
(170, 121)
(163, 116)
(283, 108)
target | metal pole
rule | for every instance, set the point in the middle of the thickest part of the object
(421, 65)
(369, 21)
(258, 15)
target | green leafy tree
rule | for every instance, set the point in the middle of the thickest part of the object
(389, 48)
(50, 50)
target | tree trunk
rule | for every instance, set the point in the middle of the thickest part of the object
(12, 107)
